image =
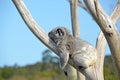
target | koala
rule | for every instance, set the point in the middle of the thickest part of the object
(81, 52)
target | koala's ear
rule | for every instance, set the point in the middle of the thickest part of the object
(63, 60)
(60, 32)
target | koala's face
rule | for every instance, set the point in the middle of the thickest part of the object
(57, 34)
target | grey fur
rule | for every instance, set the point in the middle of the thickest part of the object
(81, 52)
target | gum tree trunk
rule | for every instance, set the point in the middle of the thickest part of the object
(105, 22)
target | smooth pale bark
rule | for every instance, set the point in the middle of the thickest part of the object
(74, 17)
(101, 47)
(111, 34)
(75, 29)
(113, 18)
(115, 14)
(33, 26)
(106, 23)
(42, 36)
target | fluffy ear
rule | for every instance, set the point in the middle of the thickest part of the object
(63, 60)
(60, 31)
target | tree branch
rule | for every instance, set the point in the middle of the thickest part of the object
(75, 27)
(90, 5)
(74, 17)
(33, 26)
(82, 5)
(115, 14)
(111, 34)
(101, 47)
(41, 35)
(101, 42)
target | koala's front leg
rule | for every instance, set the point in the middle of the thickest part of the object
(64, 56)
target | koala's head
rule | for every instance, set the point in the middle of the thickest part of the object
(58, 34)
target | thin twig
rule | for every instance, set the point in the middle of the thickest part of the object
(115, 14)
(74, 17)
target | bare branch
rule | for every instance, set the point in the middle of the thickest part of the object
(115, 14)
(111, 34)
(82, 5)
(33, 26)
(75, 27)
(101, 41)
(74, 17)
(101, 47)
(74, 14)
(91, 8)
(109, 30)
(41, 35)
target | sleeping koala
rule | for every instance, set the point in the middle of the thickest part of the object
(81, 52)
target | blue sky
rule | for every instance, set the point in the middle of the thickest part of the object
(19, 46)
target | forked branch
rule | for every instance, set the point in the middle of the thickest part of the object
(82, 5)
(107, 26)
(41, 35)
(103, 20)
(111, 34)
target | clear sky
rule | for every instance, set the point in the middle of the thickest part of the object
(17, 43)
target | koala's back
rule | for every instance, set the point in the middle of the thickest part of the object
(79, 44)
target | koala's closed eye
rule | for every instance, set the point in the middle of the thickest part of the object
(60, 32)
